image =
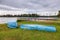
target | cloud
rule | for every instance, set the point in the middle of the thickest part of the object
(44, 5)
(5, 7)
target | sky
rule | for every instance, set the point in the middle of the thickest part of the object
(36, 5)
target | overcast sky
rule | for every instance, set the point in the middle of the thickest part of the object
(41, 5)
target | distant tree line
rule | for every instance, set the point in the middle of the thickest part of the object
(29, 15)
(22, 15)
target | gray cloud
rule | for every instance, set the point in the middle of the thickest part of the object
(47, 5)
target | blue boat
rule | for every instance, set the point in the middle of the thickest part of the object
(38, 27)
(12, 24)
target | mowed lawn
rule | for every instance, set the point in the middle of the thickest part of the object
(20, 34)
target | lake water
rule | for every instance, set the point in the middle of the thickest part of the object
(7, 19)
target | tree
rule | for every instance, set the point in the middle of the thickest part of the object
(35, 15)
(58, 14)
(29, 15)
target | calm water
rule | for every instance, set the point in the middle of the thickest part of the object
(6, 19)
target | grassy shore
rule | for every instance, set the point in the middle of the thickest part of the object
(19, 34)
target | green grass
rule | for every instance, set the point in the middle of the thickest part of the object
(20, 34)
